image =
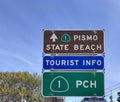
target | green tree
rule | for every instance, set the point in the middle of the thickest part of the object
(16, 86)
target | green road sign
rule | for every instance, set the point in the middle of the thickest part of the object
(73, 84)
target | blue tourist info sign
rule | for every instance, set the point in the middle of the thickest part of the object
(73, 62)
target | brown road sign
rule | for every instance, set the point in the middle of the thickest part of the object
(73, 41)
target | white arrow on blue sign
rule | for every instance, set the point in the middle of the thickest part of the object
(73, 62)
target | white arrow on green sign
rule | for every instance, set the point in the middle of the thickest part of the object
(73, 84)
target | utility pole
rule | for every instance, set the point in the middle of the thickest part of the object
(118, 99)
(111, 98)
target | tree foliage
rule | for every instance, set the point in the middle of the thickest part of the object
(17, 86)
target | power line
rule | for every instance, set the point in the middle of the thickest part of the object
(112, 89)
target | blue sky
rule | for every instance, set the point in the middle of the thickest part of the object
(22, 21)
